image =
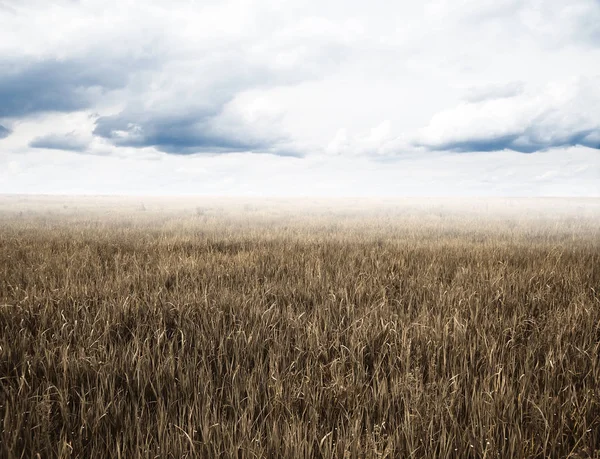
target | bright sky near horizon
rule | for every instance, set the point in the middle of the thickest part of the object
(300, 98)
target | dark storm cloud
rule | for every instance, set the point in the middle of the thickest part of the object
(470, 145)
(67, 142)
(57, 85)
(4, 132)
(183, 134)
(527, 141)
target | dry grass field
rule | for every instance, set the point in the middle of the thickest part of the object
(218, 328)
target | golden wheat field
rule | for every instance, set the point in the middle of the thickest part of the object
(205, 327)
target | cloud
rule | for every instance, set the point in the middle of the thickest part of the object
(562, 23)
(211, 99)
(183, 134)
(376, 91)
(551, 23)
(378, 142)
(7, 8)
(4, 132)
(559, 115)
(67, 142)
(495, 91)
(240, 124)
(54, 85)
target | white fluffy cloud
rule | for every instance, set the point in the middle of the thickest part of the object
(393, 90)
(559, 115)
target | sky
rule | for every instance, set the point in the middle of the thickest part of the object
(300, 98)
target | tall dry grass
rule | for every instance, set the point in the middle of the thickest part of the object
(414, 333)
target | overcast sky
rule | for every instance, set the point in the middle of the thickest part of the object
(304, 97)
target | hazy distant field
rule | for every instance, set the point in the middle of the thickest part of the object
(154, 327)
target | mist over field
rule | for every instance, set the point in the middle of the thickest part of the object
(190, 206)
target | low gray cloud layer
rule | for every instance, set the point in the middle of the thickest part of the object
(527, 141)
(67, 142)
(495, 91)
(194, 133)
(52, 85)
(4, 132)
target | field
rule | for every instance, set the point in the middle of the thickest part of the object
(154, 327)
